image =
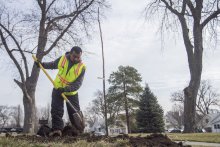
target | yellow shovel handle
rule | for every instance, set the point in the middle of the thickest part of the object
(48, 76)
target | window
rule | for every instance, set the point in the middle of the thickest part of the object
(123, 130)
(216, 126)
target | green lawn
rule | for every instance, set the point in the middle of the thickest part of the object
(10, 142)
(200, 137)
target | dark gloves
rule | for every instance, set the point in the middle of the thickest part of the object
(37, 63)
(60, 91)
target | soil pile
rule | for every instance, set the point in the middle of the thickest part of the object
(154, 140)
(71, 136)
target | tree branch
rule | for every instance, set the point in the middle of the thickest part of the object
(19, 48)
(170, 7)
(191, 7)
(31, 52)
(187, 42)
(18, 83)
(68, 26)
(12, 57)
(209, 18)
(72, 14)
(40, 4)
(183, 7)
(50, 5)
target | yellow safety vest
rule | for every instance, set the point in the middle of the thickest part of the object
(63, 78)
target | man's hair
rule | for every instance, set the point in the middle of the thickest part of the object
(76, 49)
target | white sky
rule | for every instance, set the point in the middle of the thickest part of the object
(128, 40)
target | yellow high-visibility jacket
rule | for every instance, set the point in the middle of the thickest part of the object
(65, 77)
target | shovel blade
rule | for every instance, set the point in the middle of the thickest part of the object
(78, 121)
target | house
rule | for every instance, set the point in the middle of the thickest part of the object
(210, 122)
(118, 128)
(98, 126)
(172, 124)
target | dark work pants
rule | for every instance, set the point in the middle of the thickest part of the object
(57, 109)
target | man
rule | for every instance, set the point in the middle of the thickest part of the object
(68, 81)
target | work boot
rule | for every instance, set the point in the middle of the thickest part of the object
(55, 133)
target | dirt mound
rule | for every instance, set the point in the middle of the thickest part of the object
(70, 135)
(154, 140)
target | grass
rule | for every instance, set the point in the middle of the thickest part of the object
(10, 142)
(197, 137)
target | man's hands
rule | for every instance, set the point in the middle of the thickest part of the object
(60, 91)
(37, 63)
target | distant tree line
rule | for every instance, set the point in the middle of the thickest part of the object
(12, 116)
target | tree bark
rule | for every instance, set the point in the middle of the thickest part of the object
(190, 92)
(29, 117)
(126, 110)
(29, 101)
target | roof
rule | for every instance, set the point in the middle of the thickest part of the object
(216, 118)
(213, 118)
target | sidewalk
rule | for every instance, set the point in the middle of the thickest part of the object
(201, 143)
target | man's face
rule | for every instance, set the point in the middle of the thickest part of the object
(74, 57)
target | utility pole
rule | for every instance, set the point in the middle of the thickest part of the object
(103, 76)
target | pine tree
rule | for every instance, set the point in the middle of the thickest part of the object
(125, 88)
(150, 114)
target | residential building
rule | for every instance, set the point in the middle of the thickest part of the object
(210, 122)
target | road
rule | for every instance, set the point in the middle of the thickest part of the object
(201, 144)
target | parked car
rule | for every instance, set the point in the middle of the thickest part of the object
(99, 133)
(175, 131)
(8, 129)
(3, 130)
(17, 130)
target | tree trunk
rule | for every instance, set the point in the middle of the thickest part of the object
(189, 109)
(29, 101)
(126, 109)
(18, 119)
(29, 115)
(127, 115)
(190, 92)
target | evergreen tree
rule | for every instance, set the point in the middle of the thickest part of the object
(125, 89)
(150, 114)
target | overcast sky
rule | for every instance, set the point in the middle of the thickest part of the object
(128, 40)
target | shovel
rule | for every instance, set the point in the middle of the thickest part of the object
(78, 120)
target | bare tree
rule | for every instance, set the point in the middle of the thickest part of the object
(90, 116)
(5, 115)
(97, 107)
(50, 25)
(175, 116)
(194, 17)
(17, 115)
(44, 112)
(207, 97)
